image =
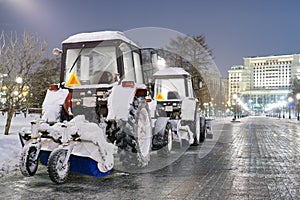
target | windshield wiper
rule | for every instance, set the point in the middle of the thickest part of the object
(77, 58)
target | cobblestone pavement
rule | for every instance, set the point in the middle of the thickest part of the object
(256, 158)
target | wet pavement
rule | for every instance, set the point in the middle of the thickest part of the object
(256, 158)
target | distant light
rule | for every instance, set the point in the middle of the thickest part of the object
(16, 93)
(19, 80)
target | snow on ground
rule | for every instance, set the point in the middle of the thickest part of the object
(10, 145)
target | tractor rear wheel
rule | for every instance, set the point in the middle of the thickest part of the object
(196, 128)
(137, 136)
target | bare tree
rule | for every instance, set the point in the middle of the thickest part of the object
(295, 87)
(48, 73)
(194, 55)
(19, 57)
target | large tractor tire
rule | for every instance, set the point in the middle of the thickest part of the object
(137, 136)
(195, 128)
(58, 171)
(29, 160)
(203, 131)
(168, 137)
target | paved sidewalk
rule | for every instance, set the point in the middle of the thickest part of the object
(258, 159)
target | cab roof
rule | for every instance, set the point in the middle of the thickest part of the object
(98, 36)
(171, 71)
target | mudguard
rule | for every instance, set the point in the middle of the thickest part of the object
(159, 130)
(188, 109)
(119, 102)
(52, 104)
(152, 108)
(120, 99)
(160, 125)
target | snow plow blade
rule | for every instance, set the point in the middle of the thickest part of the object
(81, 165)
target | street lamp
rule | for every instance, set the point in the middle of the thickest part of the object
(1, 80)
(290, 100)
(205, 107)
(234, 96)
(250, 103)
(282, 102)
(1, 83)
(19, 80)
(298, 97)
(16, 93)
(210, 108)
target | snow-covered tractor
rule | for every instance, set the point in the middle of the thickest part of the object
(100, 101)
(102, 109)
(176, 108)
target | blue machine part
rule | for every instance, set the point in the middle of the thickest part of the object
(81, 165)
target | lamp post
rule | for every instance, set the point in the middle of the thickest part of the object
(234, 96)
(298, 97)
(250, 104)
(290, 100)
(18, 92)
(210, 108)
(281, 106)
(1, 84)
(19, 81)
(1, 80)
(205, 107)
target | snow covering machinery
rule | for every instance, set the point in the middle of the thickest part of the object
(176, 103)
(101, 109)
(100, 101)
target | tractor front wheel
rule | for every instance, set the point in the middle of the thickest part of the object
(168, 136)
(58, 167)
(29, 160)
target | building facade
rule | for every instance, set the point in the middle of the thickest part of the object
(264, 83)
(238, 81)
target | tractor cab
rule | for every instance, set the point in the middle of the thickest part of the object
(92, 63)
(171, 86)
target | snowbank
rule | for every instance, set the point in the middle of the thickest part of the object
(10, 145)
(9, 151)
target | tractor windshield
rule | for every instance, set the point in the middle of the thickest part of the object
(97, 65)
(170, 89)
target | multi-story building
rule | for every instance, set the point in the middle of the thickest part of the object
(238, 81)
(264, 82)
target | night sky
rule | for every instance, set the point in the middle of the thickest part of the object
(233, 29)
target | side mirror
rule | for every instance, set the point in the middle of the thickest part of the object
(150, 87)
(154, 58)
(56, 51)
(199, 83)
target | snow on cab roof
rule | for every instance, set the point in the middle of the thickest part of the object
(98, 36)
(171, 71)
